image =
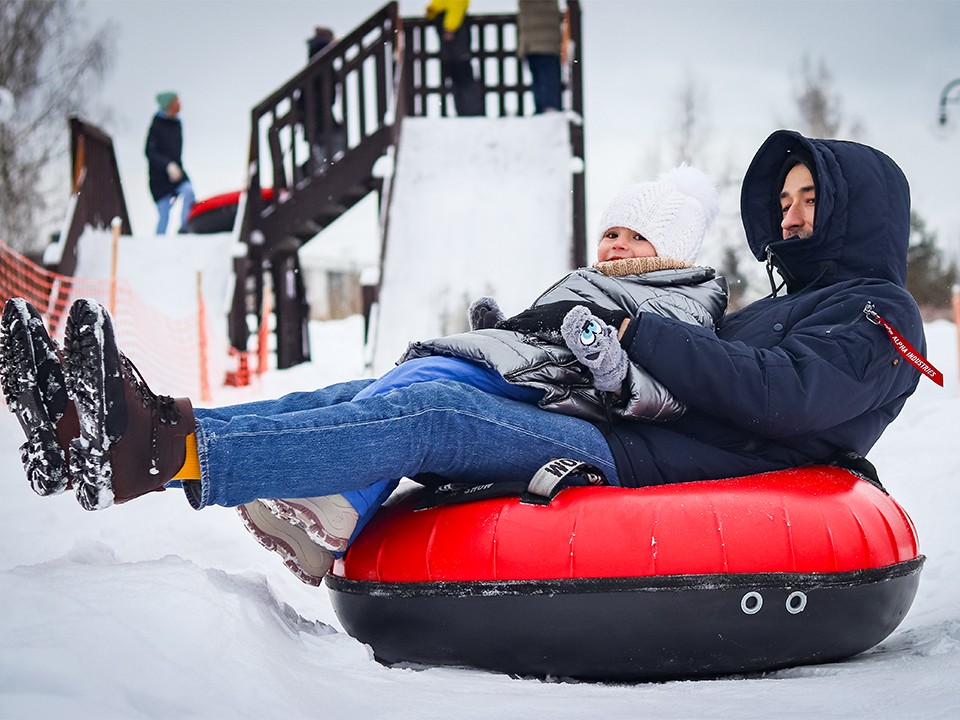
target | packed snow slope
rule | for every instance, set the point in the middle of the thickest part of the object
(481, 206)
(153, 610)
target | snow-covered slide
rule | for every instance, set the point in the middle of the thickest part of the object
(481, 206)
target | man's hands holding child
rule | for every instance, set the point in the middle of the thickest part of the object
(596, 346)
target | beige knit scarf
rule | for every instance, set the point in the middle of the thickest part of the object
(638, 265)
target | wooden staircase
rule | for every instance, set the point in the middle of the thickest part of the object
(316, 139)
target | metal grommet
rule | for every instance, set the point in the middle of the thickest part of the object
(796, 602)
(751, 603)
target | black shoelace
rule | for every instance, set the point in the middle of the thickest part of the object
(163, 408)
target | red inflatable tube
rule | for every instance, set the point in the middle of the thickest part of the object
(605, 583)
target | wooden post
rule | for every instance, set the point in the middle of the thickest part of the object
(956, 321)
(115, 226)
(205, 394)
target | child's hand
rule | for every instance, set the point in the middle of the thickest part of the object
(484, 313)
(596, 346)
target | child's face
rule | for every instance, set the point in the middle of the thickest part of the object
(619, 243)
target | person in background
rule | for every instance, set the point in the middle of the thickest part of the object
(168, 180)
(322, 36)
(539, 42)
(455, 55)
(327, 137)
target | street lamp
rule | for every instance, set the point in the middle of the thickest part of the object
(945, 98)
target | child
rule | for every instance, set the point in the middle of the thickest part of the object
(566, 346)
(563, 353)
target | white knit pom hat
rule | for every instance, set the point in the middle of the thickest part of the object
(673, 213)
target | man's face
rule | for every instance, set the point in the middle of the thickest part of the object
(798, 203)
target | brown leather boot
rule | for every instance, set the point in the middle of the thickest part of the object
(31, 374)
(132, 441)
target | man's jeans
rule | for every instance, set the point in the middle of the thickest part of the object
(185, 191)
(325, 442)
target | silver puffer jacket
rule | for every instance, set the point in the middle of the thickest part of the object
(694, 295)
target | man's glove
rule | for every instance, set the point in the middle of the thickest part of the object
(545, 320)
(174, 172)
(484, 313)
(596, 346)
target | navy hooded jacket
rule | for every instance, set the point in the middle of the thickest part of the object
(164, 146)
(800, 378)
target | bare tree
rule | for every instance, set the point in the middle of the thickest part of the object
(691, 130)
(50, 63)
(725, 247)
(818, 106)
(930, 274)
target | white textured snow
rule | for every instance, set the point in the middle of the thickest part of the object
(481, 206)
(153, 610)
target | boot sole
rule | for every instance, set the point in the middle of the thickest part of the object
(86, 374)
(43, 459)
(303, 558)
(326, 522)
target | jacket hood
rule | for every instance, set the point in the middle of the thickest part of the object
(861, 227)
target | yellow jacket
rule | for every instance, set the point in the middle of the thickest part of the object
(454, 12)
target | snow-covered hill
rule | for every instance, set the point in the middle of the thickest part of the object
(153, 610)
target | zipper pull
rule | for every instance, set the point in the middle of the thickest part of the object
(773, 285)
(904, 347)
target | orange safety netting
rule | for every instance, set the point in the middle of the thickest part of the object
(170, 352)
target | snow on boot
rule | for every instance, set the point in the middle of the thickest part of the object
(329, 520)
(31, 375)
(132, 441)
(303, 557)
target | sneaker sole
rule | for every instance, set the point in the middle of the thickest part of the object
(43, 459)
(325, 521)
(303, 558)
(86, 376)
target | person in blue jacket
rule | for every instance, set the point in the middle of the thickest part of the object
(806, 377)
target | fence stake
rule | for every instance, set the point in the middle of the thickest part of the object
(956, 322)
(205, 394)
(115, 226)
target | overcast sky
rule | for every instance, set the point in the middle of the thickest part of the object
(889, 62)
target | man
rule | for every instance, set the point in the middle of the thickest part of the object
(808, 377)
(804, 377)
(168, 180)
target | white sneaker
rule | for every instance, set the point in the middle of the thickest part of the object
(303, 557)
(329, 520)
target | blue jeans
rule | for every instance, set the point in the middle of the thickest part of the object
(326, 442)
(184, 190)
(547, 90)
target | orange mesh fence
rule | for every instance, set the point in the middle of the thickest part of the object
(168, 351)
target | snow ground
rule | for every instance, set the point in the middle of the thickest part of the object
(152, 610)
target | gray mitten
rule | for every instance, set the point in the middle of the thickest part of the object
(484, 313)
(596, 346)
